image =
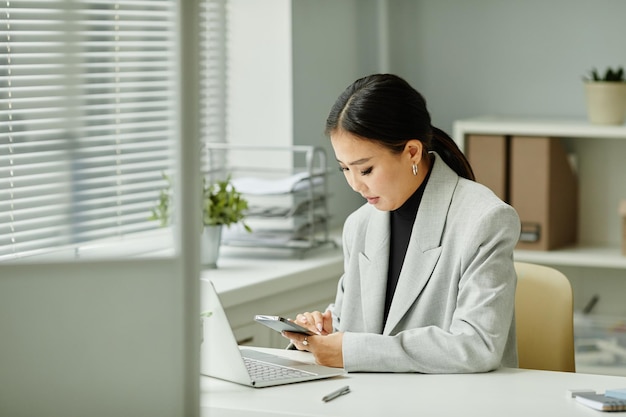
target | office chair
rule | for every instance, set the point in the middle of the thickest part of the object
(544, 319)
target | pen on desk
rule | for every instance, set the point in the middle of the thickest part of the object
(335, 394)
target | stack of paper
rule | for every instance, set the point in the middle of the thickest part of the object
(259, 186)
(281, 210)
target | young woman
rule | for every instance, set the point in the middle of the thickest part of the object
(429, 282)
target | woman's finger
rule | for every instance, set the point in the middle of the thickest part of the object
(301, 341)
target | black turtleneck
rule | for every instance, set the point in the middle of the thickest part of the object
(401, 224)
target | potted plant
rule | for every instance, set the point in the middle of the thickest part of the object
(222, 205)
(606, 96)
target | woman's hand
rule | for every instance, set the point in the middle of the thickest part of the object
(327, 349)
(318, 323)
(325, 345)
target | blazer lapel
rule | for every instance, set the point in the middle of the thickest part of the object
(373, 265)
(425, 244)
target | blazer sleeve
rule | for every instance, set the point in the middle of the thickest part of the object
(350, 225)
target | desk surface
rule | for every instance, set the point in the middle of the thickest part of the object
(510, 392)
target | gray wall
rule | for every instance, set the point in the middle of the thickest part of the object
(468, 58)
(477, 57)
(288, 62)
(334, 42)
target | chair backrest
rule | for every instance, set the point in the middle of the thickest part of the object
(544, 318)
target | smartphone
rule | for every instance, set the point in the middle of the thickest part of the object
(281, 324)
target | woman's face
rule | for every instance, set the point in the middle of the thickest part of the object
(383, 178)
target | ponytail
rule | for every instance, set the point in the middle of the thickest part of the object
(385, 109)
(447, 148)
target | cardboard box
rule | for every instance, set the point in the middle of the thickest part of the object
(489, 157)
(544, 191)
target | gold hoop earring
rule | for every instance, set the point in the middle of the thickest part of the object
(414, 168)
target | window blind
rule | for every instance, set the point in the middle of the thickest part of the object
(88, 101)
(214, 78)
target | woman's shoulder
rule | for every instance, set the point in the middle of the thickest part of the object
(355, 225)
(481, 191)
(475, 196)
(459, 188)
(361, 214)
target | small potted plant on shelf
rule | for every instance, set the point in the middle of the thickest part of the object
(606, 96)
(222, 205)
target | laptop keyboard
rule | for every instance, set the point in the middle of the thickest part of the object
(264, 371)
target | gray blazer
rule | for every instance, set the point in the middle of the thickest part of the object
(453, 309)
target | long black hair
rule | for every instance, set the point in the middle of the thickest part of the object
(385, 108)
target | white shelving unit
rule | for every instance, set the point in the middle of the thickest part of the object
(595, 265)
(599, 225)
(562, 128)
(578, 256)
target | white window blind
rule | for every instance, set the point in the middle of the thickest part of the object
(87, 119)
(214, 17)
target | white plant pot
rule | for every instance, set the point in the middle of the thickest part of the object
(606, 102)
(210, 246)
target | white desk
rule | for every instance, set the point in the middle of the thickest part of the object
(505, 392)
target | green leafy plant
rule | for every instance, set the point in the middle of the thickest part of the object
(222, 204)
(610, 75)
(162, 211)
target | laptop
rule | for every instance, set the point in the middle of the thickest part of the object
(222, 358)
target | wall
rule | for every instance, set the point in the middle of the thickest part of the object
(289, 60)
(479, 57)
(259, 62)
(468, 58)
(334, 43)
(471, 58)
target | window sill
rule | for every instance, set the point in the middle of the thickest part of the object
(245, 275)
